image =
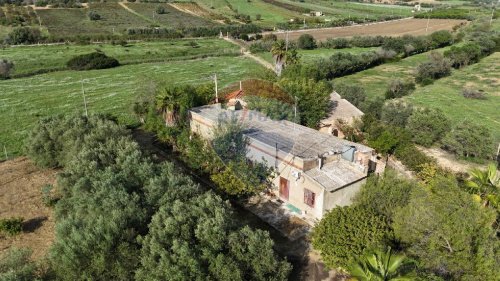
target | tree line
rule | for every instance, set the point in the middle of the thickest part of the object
(120, 215)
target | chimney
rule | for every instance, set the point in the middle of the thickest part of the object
(320, 162)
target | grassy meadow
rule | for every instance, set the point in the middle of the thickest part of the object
(310, 55)
(23, 101)
(444, 93)
(32, 59)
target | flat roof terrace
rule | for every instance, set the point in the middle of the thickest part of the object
(298, 140)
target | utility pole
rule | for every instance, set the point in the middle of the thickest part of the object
(216, 90)
(286, 36)
(84, 99)
(5, 151)
(294, 112)
(428, 20)
(492, 13)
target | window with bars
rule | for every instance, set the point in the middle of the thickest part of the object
(309, 197)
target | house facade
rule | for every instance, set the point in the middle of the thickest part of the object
(314, 172)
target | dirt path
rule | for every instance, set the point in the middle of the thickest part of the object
(448, 161)
(248, 54)
(124, 5)
(193, 13)
(20, 196)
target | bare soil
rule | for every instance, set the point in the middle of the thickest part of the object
(449, 161)
(390, 28)
(20, 196)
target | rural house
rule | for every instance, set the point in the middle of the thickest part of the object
(315, 172)
(343, 112)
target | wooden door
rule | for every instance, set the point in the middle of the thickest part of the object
(284, 188)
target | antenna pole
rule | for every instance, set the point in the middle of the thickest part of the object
(286, 46)
(84, 99)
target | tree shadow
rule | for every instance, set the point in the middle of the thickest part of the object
(33, 224)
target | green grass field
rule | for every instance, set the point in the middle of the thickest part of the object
(446, 94)
(31, 59)
(25, 100)
(310, 55)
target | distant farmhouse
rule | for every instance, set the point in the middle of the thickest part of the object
(315, 172)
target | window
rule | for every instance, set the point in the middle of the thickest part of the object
(309, 197)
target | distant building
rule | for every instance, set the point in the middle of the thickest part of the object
(316, 13)
(342, 112)
(315, 172)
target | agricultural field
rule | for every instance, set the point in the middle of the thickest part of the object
(444, 93)
(339, 9)
(309, 55)
(29, 60)
(25, 100)
(172, 18)
(392, 28)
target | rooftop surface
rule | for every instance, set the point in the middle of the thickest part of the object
(335, 175)
(298, 140)
(342, 109)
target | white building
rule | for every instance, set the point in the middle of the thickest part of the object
(315, 172)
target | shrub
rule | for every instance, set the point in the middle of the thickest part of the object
(436, 67)
(355, 94)
(428, 126)
(464, 55)
(16, 265)
(441, 38)
(399, 88)
(412, 157)
(93, 15)
(471, 93)
(48, 198)
(258, 17)
(273, 108)
(345, 232)
(5, 68)
(160, 10)
(396, 113)
(306, 42)
(94, 60)
(24, 35)
(11, 226)
(469, 140)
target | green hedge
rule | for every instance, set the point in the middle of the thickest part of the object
(94, 60)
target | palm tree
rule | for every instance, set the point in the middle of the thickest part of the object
(279, 53)
(169, 104)
(486, 185)
(380, 266)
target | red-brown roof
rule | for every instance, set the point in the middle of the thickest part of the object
(234, 95)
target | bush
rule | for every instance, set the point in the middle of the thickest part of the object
(469, 140)
(471, 93)
(11, 226)
(396, 113)
(441, 38)
(24, 35)
(5, 68)
(94, 60)
(93, 15)
(258, 17)
(464, 55)
(428, 126)
(355, 94)
(345, 232)
(399, 88)
(16, 265)
(160, 10)
(435, 68)
(48, 197)
(412, 158)
(306, 42)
